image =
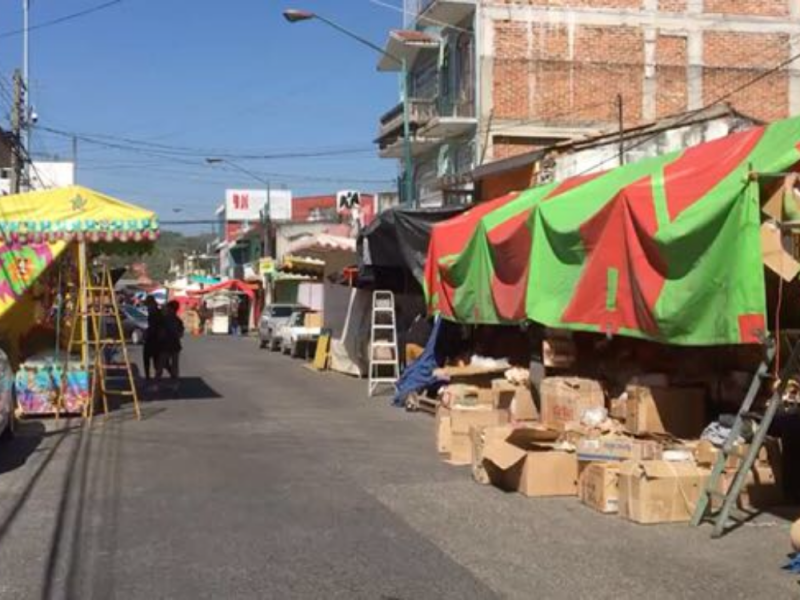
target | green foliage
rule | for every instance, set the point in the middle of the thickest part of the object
(170, 246)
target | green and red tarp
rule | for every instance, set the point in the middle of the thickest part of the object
(666, 249)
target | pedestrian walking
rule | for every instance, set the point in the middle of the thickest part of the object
(170, 349)
(152, 338)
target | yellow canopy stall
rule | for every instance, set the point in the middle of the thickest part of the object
(45, 241)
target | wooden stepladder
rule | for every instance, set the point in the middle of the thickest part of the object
(98, 338)
(384, 365)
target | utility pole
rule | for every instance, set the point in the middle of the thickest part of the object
(621, 117)
(25, 134)
(75, 158)
(16, 134)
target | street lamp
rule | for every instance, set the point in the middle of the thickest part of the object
(265, 219)
(296, 16)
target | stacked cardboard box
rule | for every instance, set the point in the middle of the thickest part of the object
(453, 426)
(616, 465)
(529, 461)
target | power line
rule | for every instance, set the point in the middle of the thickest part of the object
(727, 95)
(64, 19)
(403, 11)
(125, 143)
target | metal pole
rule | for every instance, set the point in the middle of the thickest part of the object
(75, 158)
(621, 118)
(26, 73)
(408, 167)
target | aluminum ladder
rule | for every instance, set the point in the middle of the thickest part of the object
(384, 365)
(723, 517)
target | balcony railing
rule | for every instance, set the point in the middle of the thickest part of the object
(420, 112)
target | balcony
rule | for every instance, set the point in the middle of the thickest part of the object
(450, 12)
(390, 134)
(452, 119)
(408, 45)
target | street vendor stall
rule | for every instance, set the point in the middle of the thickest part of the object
(49, 241)
(667, 249)
(225, 300)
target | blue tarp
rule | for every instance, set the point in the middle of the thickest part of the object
(419, 374)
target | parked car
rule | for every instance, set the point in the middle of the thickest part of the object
(134, 324)
(6, 398)
(273, 317)
(294, 337)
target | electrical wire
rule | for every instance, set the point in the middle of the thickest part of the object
(727, 95)
(405, 12)
(60, 20)
(125, 143)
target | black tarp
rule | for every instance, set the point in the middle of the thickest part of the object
(396, 242)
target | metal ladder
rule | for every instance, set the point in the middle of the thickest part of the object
(704, 510)
(383, 341)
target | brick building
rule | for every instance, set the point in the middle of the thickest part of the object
(495, 78)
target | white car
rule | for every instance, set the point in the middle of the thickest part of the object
(273, 317)
(6, 398)
(294, 337)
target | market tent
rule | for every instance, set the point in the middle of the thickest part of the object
(232, 285)
(666, 249)
(398, 239)
(73, 212)
(35, 229)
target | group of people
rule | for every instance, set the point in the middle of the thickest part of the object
(162, 343)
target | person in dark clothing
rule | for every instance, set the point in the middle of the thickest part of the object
(152, 339)
(169, 355)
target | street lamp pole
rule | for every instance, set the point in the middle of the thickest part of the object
(295, 16)
(265, 220)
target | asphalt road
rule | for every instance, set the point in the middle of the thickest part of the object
(266, 480)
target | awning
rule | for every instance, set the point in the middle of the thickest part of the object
(398, 239)
(232, 285)
(73, 212)
(321, 244)
(666, 249)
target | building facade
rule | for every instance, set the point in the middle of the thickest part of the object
(490, 79)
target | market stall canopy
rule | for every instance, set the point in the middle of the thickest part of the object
(35, 229)
(232, 285)
(398, 238)
(73, 212)
(321, 244)
(666, 249)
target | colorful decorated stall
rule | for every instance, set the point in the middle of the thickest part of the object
(667, 249)
(49, 243)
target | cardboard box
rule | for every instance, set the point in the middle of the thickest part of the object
(657, 491)
(461, 420)
(459, 394)
(599, 486)
(523, 407)
(617, 448)
(762, 488)
(464, 417)
(444, 434)
(618, 408)
(564, 399)
(312, 320)
(534, 468)
(680, 412)
(503, 393)
(480, 437)
(559, 352)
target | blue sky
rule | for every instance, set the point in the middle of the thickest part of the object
(223, 76)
